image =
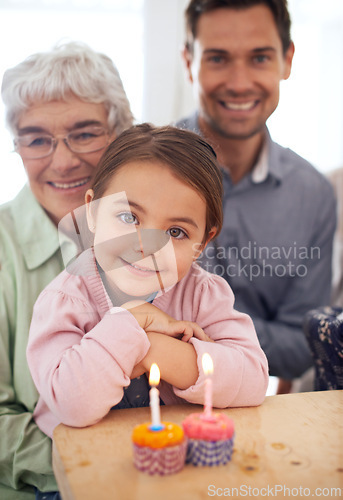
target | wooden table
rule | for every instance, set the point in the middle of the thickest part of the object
(291, 446)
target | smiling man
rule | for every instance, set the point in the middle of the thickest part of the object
(279, 212)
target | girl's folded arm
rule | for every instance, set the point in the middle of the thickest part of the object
(240, 376)
(177, 360)
(79, 364)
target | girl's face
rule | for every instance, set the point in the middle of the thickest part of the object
(148, 228)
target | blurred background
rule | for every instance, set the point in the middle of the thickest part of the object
(144, 38)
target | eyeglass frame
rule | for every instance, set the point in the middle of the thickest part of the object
(56, 139)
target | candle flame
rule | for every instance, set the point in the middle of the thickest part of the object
(207, 364)
(154, 376)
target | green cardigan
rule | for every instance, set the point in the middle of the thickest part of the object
(30, 258)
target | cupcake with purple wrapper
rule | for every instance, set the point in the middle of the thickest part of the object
(210, 435)
(210, 442)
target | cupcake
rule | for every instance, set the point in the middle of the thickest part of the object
(159, 452)
(210, 438)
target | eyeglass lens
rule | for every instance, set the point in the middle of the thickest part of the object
(83, 140)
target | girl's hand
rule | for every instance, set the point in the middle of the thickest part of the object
(152, 319)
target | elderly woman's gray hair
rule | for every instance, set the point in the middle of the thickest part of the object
(70, 69)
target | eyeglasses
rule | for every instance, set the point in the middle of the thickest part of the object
(83, 140)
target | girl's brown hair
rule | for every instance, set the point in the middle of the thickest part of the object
(187, 155)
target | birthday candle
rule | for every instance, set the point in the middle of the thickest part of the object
(207, 365)
(154, 379)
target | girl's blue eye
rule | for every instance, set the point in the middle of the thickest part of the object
(177, 233)
(128, 218)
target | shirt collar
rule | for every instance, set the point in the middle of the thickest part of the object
(261, 169)
(268, 163)
(37, 235)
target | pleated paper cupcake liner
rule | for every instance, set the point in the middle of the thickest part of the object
(210, 453)
(161, 461)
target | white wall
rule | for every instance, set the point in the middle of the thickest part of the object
(167, 95)
(309, 118)
(144, 38)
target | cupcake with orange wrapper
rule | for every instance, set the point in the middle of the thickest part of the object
(159, 452)
(158, 447)
(210, 435)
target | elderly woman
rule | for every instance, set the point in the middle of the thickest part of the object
(63, 108)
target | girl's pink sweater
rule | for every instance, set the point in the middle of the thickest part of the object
(81, 350)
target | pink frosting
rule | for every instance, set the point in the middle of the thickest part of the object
(218, 428)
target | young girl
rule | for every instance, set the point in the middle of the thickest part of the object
(137, 296)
